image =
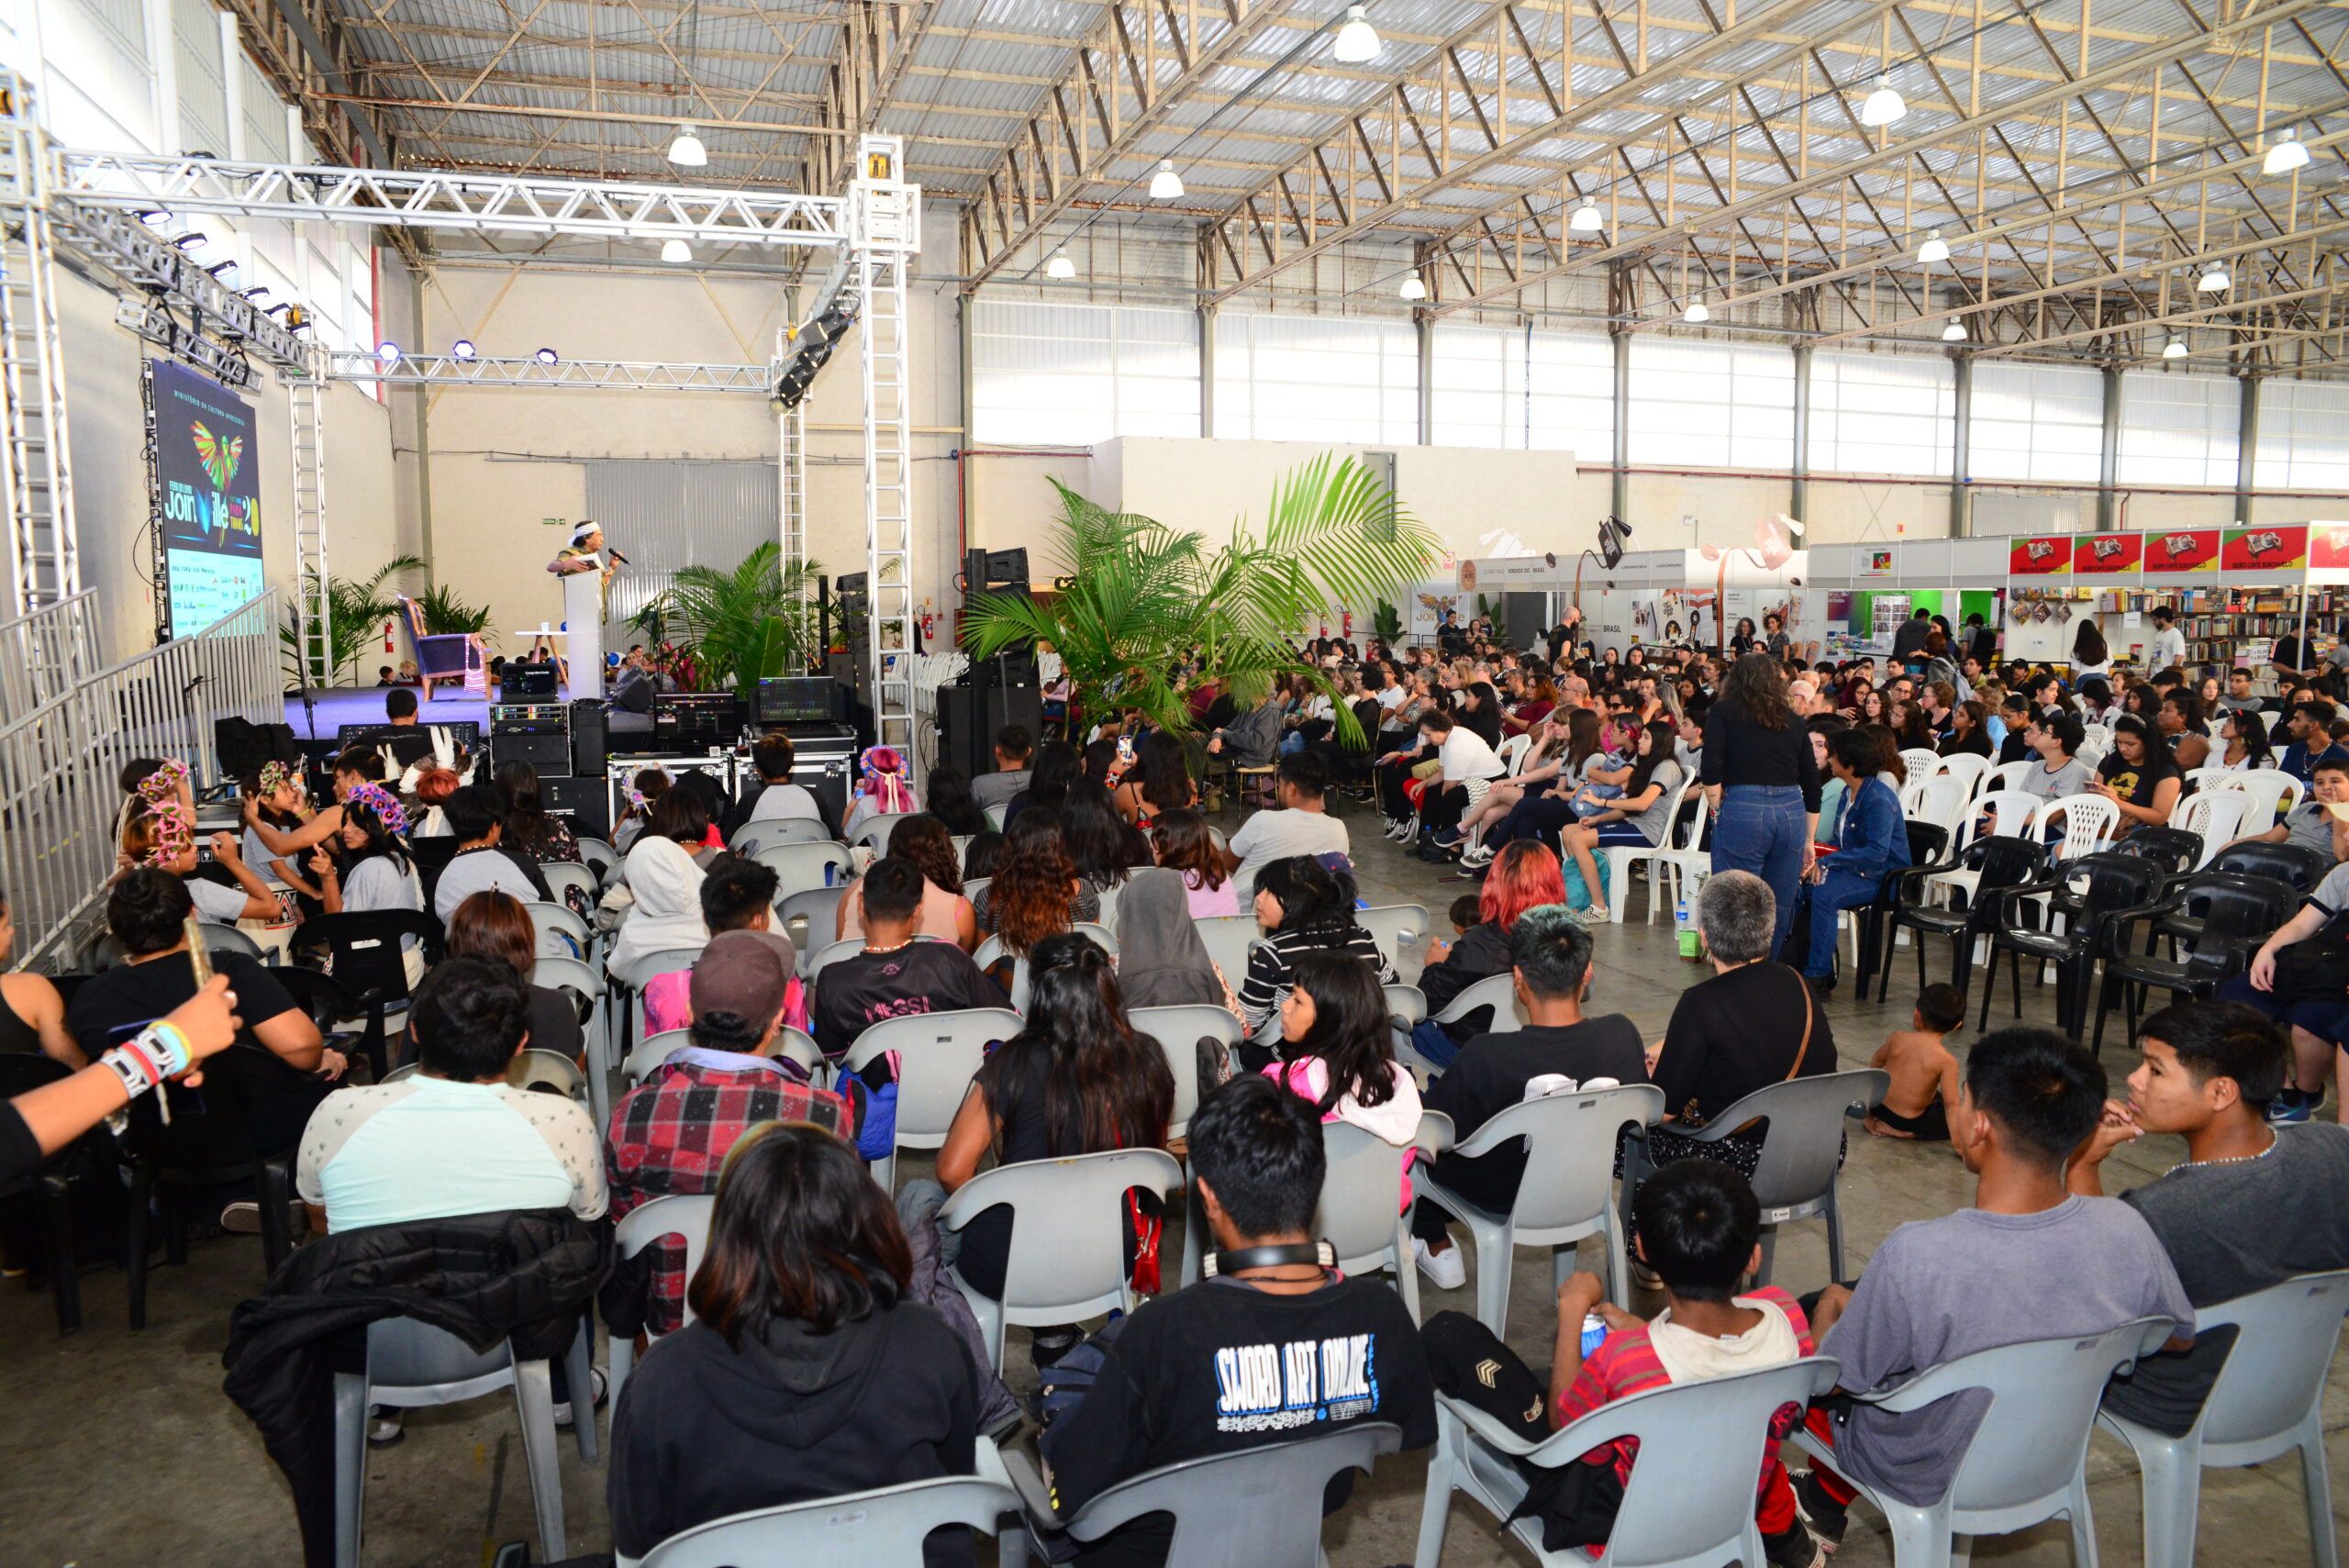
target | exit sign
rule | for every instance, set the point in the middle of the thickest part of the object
(555, 522)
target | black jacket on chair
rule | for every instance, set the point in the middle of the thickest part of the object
(524, 1275)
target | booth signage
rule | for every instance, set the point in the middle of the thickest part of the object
(2101, 555)
(2329, 547)
(2265, 549)
(2046, 557)
(2183, 549)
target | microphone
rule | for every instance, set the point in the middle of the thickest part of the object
(616, 555)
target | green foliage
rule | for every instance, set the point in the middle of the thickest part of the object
(445, 614)
(355, 614)
(1387, 624)
(739, 624)
(1143, 598)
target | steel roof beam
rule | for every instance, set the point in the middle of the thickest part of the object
(605, 375)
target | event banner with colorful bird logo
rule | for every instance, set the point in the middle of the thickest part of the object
(207, 473)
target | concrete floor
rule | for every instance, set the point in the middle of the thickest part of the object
(208, 1495)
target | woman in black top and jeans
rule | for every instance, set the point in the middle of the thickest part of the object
(1759, 773)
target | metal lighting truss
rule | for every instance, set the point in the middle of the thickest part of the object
(113, 240)
(884, 220)
(430, 198)
(305, 398)
(43, 556)
(610, 375)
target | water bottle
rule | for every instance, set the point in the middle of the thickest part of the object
(1691, 944)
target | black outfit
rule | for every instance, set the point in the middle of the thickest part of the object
(2136, 783)
(1484, 723)
(704, 1431)
(17, 1037)
(20, 1155)
(1739, 751)
(1490, 1075)
(1974, 742)
(524, 1275)
(1028, 1134)
(2014, 748)
(276, 1099)
(1164, 1392)
(1982, 645)
(1736, 1034)
(1557, 637)
(1910, 637)
(920, 977)
(2287, 656)
(1481, 953)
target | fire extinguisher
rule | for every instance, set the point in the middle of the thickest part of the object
(388, 637)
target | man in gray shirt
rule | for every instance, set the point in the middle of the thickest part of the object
(2252, 1205)
(2312, 823)
(2029, 1261)
(1012, 746)
(480, 866)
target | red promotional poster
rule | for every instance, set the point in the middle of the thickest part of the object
(2329, 547)
(2265, 549)
(2048, 556)
(2103, 554)
(2185, 549)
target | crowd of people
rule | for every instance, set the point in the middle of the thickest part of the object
(830, 1349)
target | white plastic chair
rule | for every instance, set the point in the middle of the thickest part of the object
(2088, 821)
(411, 1365)
(1512, 753)
(2098, 735)
(2007, 776)
(1228, 939)
(2275, 793)
(1620, 858)
(1067, 1260)
(1399, 928)
(1498, 992)
(629, 983)
(996, 814)
(816, 911)
(2217, 815)
(562, 875)
(598, 856)
(683, 1215)
(938, 1055)
(1687, 862)
(794, 1045)
(2268, 1401)
(874, 830)
(1361, 1213)
(1179, 1031)
(880, 1528)
(560, 933)
(2028, 1462)
(1689, 1503)
(765, 831)
(1567, 1192)
(571, 975)
(1920, 761)
(798, 867)
(2010, 812)
(1937, 798)
(973, 886)
(1968, 768)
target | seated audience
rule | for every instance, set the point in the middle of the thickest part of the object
(776, 798)
(1159, 783)
(1183, 844)
(1525, 876)
(1550, 957)
(2029, 1261)
(1923, 1093)
(1159, 1398)
(1162, 962)
(895, 976)
(495, 925)
(1302, 826)
(1013, 746)
(475, 818)
(664, 885)
(2313, 824)
(1056, 764)
(1103, 846)
(882, 791)
(1304, 905)
(1873, 834)
(1075, 1079)
(945, 913)
(737, 894)
(2055, 774)
(40, 1122)
(376, 873)
(2207, 1072)
(808, 1371)
(2142, 777)
(1035, 890)
(161, 837)
(671, 1133)
(951, 802)
(1337, 1050)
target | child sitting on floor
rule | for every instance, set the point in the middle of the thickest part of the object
(1924, 1073)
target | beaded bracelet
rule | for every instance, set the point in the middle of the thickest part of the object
(155, 1053)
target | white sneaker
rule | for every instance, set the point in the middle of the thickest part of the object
(1446, 1270)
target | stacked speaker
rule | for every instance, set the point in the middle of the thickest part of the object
(994, 692)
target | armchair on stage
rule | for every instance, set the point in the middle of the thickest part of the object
(461, 657)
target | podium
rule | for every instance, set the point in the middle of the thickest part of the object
(583, 615)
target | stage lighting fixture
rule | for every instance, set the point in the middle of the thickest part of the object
(154, 217)
(1586, 219)
(189, 240)
(278, 309)
(1060, 266)
(1412, 287)
(686, 152)
(2174, 349)
(2285, 156)
(1953, 333)
(255, 292)
(1357, 40)
(389, 353)
(1165, 185)
(218, 268)
(2214, 280)
(1697, 310)
(676, 250)
(1933, 250)
(463, 349)
(1612, 532)
(548, 357)
(1883, 105)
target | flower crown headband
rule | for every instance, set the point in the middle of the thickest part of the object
(174, 832)
(274, 776)
(636, 797)
(382, 803)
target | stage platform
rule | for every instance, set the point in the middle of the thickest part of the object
(339, 705)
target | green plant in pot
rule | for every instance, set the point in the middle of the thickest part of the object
(739, 624)
(355, 614)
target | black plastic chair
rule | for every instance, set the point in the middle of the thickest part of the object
(51, 1193)
(2177, 851)
(2295, 864)
(206, 1144)
(2083, 895)
(2000, 861)
(431, 856)
(1928, 842)
(2236, 914)
(365, 951)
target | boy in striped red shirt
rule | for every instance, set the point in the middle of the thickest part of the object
(1699, 1228)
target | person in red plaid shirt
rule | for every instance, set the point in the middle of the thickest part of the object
(671, 1133)
(1700, 1229)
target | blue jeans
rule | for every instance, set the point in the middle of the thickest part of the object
(1842, 890)
(1762, 828)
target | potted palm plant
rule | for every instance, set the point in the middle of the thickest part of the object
(717, 628)
(354, 612)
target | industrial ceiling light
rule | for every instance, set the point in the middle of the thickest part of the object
(548, 357)
(2174, 349)
(686, 152)
(1357, 40)
(676, 250)
(463, 349)
(2286, 156)
(1954, 332)
(389, 353)
(1934, 248)
(2214, 280)
(1060, 266)
(1586, 218)
(1166, 185)
(1412, 288)
(1697, 310)
(1883, 105)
